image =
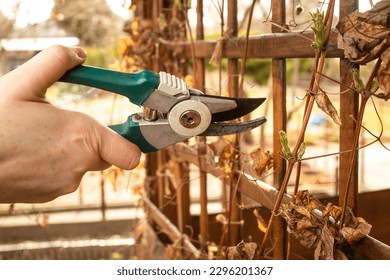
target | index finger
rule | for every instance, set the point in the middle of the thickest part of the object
(31, 80)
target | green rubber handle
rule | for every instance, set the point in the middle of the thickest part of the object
(135, 86)
(132, 132)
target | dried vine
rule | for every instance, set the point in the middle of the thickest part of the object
(321, 42)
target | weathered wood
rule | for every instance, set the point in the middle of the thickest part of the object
(151, 159)
(349, 107)
(169, 228)
(234, 228)
(277, 45)
(279, 88)
(258, 191)
(266, 195)
(183, 200)
(200, 72)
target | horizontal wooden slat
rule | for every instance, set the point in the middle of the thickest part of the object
(277, 45)
(169, 228)
(265, 195)
(258, 191)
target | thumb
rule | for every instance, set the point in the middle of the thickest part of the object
(31, 80)
(117, 150)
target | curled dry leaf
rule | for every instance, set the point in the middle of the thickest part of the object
(354, 234)
(332, 211)
(218, 146)
(216, 56)
(316, 226)
(365, 37)
(324, 103)
(226, 159)
(303, 198)
(324, 249)
(383, 77)
(224, 150)
(305, 223)
(365, 34)
(243, 251)
(303, 210)
(262, 161)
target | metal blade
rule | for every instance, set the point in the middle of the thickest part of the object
(244, 107)
(226, 108)
(220, 129)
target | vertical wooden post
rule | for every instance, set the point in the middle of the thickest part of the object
(152, 160)
(280, 121)
(183, 201)
(349, 106)
(234, 230)
(199, 75)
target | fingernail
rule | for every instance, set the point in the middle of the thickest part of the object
(80, 52)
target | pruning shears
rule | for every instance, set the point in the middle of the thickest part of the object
(173, 112)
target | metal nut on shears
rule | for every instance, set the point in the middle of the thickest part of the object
(189, 117)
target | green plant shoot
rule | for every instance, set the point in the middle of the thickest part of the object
(284, 142)
(301, 151)
(358, 83)
(374, 87)
(319, 29)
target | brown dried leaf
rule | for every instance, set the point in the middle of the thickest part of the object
(354, 234)
(216, 56)
(365, 37)
(333, 211)
(379, 14)
(243, 251)
(365, 34)
(308, 238)
(383, 77)
(305, 223)
(302, 210)
(324, 103)
(218, 146)
(324, 249)
(315, 225)
(303, 198)
(262, 161)
(226, 153)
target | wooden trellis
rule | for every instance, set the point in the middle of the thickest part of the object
(168, 170)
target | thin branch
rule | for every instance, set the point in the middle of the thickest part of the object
(365, 98)
(241, 87)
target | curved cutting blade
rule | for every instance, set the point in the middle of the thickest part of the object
(244, 107)
(226, 108)
(220, 129)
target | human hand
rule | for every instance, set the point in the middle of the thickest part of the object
(44, 150)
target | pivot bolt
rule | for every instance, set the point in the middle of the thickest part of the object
(190, 119)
